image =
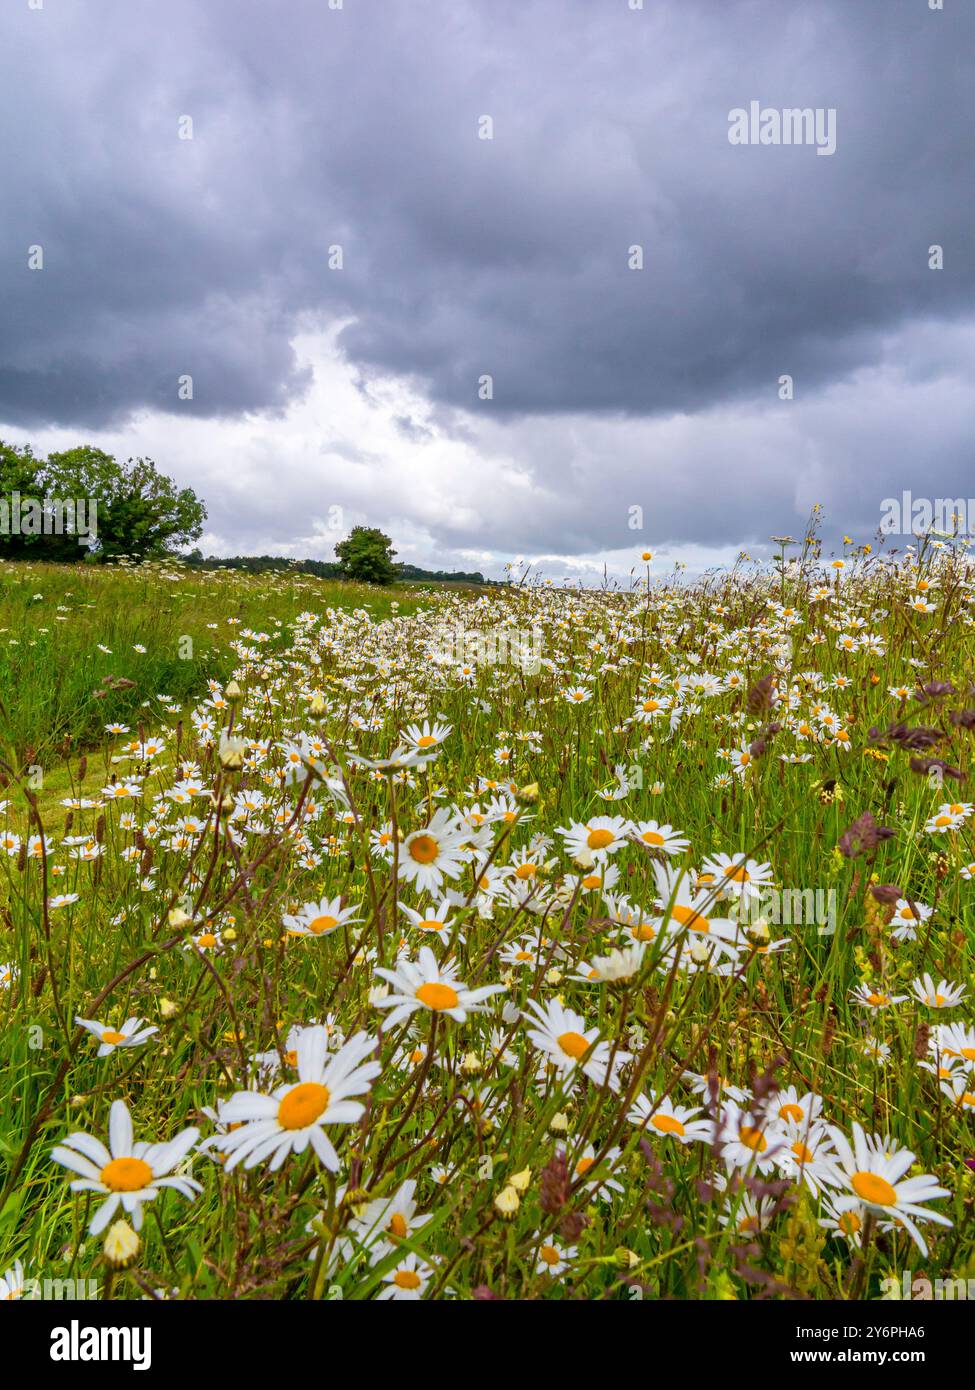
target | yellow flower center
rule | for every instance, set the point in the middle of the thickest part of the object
(849, 1223)
(803, 1154)
(110, 1036)
(877, 1000)
(791, 1112)
(322, 924)
(583, 1166)
(753, 1139)
(302, 1105)
(689, 918)
(667, 1124)
(126, 1174)
(652, 837)
(431, 924)
(651, 706)
(525, 871)
(549, 1254)
(426, 741)
(574, 1044)
(406, 1279)
(437, 996)
(874, 1189)
(599, 839)
(424, 849)
(206, 941)
(397, 1226)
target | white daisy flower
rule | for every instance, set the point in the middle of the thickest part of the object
(293, 1116)
(125, 1173)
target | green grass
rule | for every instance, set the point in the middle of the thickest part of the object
(785, 1016)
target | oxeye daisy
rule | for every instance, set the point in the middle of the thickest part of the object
(616, 965)
(596, 840)
(955, 1040)
(320, 919)
(940, 996)
(844, 1219)
(874, 1176)
(12, 1283)
(423, 984)
(430, 736)
(553, 1259)
(740, 1210)
(656, 836)
(435, 920)
(293, 1116)
(691, 910)
(131, 1033)
(960, 1090)
(601, 1184)
(738, 876)
(712, 1087)
(874, 998)
(125, 1173)
(562, 1035)
(748, 1140)
(436, 852)
(808, 1155)
(907, 917)
(788, 1107)
(665, 1120)
(407, 1280)
(382, 1224)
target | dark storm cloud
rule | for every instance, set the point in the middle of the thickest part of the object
(358, 127)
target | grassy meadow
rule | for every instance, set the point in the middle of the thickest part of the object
(531, 943)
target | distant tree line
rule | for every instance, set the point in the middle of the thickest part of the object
(83, 504)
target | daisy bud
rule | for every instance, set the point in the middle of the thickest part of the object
(552, 977)
(231, 752)
(559, 1123)
(520, 1181)
(233, 692)
(626, 1259)
(317, 707)
(178, 918)
(167, 1008)
(507, 1202)
(471, 1063)
(527, 795)
(510, 1013)
(121, 1245)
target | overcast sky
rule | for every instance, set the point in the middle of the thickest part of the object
(357, 388)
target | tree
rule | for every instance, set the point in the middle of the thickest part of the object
(138, 510)
(141, 512)
(367, 555)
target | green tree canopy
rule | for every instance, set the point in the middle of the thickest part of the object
(367, 554)
(140, 511)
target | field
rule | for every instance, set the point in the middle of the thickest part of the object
(536, 943)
